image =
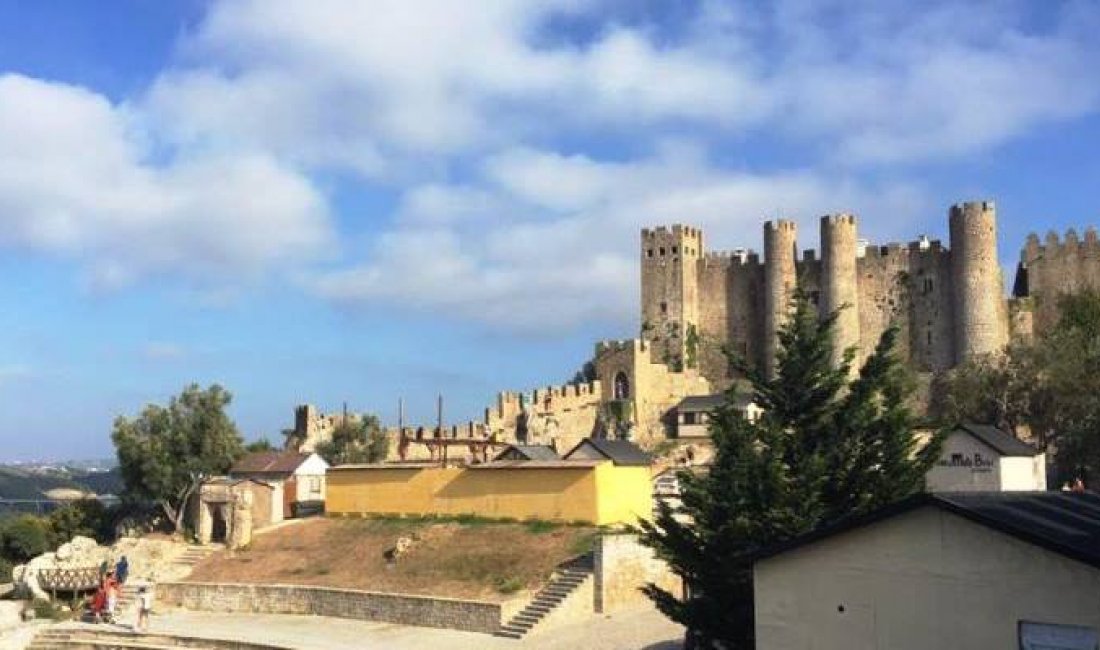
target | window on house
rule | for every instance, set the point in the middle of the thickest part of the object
(689, 418)
(315, 485)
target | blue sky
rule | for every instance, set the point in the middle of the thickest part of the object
(336, 200)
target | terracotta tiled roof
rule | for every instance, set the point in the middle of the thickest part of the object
(269, 462)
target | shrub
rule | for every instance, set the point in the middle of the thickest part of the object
(509, 585)
(24, 537)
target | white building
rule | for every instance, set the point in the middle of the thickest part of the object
(693, 413)
(971, 571)
(298, 480)
(984, 458)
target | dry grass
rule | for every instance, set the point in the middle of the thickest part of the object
(459, 560)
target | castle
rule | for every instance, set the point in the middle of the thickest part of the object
(949, 304)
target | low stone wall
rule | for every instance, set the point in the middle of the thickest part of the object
(623, 566)
(471, 616)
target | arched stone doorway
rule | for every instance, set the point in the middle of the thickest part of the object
(621, 386)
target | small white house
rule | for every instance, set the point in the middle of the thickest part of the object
(957, 571)
(694, 412)
(298, 479)
(984, 458)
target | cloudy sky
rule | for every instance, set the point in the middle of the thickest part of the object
(344, 200)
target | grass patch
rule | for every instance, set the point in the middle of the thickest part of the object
(540, 526)
(510, 585)
(583, 543)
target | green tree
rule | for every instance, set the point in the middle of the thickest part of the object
(166, 452)
(24, 537)
(1048, 390)
(356, 441)
(86, 517)
(826, 447)
(263, 444)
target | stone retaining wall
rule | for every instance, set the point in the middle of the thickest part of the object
(470, 616)
(623, 566)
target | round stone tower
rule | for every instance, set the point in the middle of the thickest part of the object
(980, 325)
(780, 276)
(839, 281)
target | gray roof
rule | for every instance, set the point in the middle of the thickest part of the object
(1003, 443)
(531, 452)
(1063, 522)
(621, 452)
(706, 403)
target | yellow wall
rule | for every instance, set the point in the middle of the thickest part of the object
(604, 494)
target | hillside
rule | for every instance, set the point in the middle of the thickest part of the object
(23, 483)
(473, 560)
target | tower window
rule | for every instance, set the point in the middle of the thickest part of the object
(673, 250)
(928, 286)
(621, 386)
(661, 251)
(929, 337)
(649, 252)
(664, 308)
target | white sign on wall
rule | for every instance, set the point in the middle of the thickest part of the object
(1044, 636)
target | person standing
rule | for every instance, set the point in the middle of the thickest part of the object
(122, 570)
(145, 605)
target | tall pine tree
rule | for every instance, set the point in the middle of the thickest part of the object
(826, 447)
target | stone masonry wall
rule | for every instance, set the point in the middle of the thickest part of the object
(623, 566)
(470, 616)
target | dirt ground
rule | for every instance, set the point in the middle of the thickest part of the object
(486, 561)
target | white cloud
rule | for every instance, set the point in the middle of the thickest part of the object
(386, 88)
(573, 258)
(79, 180)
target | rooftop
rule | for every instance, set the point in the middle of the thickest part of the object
(621, 452)
(1002, 442)
(531, 452)
(704, 403)
(269, 462)
(1063, 522)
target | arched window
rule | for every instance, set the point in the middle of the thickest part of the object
(622, 386)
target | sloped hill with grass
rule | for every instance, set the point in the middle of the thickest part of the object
(458, 559)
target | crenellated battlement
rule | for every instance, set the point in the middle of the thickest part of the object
(1054, 245)
(737, 256)
(972, 207)
(782, 225)
(841, 219)
(621, 345)
(677, 229)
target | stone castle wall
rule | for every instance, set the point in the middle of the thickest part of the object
(1055, 267)
(559, 416)
(947, 304)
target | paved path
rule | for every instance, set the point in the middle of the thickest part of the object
(636, 629)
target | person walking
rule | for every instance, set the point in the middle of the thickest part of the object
(145, 605)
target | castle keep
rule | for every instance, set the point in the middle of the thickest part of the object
(948, 302)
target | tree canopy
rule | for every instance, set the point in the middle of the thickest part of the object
(827, 447)
(1047, 390)
(166, 452)
(355, 441)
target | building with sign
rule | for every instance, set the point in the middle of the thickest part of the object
(962, 570)
(978, 457)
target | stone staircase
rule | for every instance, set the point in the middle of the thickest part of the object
(100, 638)
(565, 581)
(126, 611)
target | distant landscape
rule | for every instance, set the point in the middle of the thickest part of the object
(31, 481)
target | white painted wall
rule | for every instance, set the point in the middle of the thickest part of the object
(310, 476)
(966, 465)
(922, 580)
(1023, 473)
